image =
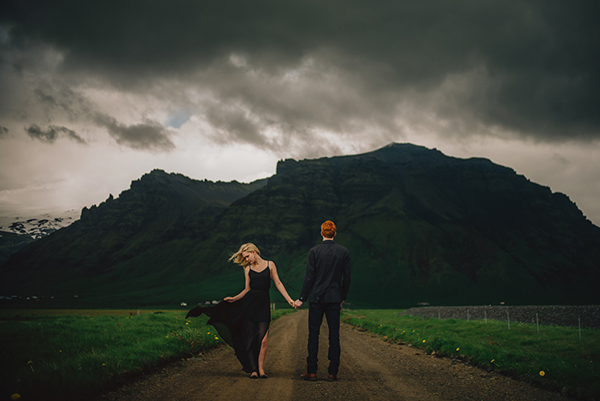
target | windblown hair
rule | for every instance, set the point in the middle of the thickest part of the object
(328, 229)
(239, 259)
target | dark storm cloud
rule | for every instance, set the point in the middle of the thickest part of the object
(535, 64)
(45, 98)
(234, 122)
(147, 136)
(52, 133)
(64, 100)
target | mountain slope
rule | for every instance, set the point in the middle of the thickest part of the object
(117, 230)
(16, 232)
(11, 243)
(420, 226)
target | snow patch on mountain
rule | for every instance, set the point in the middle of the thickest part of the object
(38, 226)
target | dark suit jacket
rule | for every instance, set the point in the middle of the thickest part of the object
(327, 273)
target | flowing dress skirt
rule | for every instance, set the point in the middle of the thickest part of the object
(242, 324)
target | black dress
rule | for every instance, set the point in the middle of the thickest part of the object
(244, 323)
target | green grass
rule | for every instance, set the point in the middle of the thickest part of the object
(554, 358)
(75, 354)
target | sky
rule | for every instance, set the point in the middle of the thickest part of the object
(95, 94)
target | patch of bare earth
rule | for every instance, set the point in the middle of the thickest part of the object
(371, 369)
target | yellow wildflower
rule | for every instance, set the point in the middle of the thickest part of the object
(15, 396)
(458, 349)
(542, 373)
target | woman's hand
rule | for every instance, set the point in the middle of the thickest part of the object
(228, 299)
(291, 303)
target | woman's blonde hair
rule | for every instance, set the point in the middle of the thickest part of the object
(239, 259)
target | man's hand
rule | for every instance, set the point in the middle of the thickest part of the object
(298, 304)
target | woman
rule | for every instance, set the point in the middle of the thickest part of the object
(243, 320)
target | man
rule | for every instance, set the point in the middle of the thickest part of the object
(327, 281)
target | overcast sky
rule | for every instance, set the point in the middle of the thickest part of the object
(95, 94)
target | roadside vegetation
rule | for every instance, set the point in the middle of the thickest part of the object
(554, 358)
(75, 354)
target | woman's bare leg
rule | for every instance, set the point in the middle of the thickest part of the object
(263, 355)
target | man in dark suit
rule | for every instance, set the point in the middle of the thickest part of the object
(327, 281)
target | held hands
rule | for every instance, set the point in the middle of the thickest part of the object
(298, 304)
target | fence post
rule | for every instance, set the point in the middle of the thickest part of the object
(508, 319)
(485, 313)
(579, 321)
(537, 323)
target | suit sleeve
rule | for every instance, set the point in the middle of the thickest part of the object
(347, 275)
(309, 278)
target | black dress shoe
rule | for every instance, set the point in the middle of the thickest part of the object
(308, 376)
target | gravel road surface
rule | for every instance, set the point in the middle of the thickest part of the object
(371, 369)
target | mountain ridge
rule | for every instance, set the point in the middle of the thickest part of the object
(421, 227)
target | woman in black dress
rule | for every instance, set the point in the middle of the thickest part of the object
(243, 320)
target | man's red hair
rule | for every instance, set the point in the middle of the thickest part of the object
(328, 229)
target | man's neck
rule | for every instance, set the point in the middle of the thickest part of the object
(327, 239)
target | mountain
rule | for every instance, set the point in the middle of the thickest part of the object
(16, 232)
(38, 226)
(117, 230)
(420, 227)
(11, 243)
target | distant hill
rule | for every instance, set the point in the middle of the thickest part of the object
(18, 231)
(11, 243)
(420, 226)
(40, 225)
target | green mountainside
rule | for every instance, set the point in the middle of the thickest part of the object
(137, 222)
(420, 227)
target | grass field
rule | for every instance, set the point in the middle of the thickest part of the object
(75, 354)
(554, 358)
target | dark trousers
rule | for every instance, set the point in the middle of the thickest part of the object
(315, 318)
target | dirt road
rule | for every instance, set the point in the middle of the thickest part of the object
(371, 369)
